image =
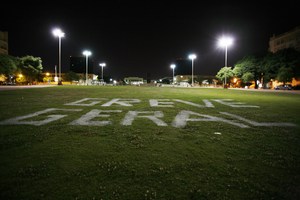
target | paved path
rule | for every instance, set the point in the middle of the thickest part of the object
(16, 87)
(268, 90)
(8, 87)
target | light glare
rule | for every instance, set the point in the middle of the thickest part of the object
(225, 41)
(192, 56)
(102, 64)
(58, 33)
(87, 53)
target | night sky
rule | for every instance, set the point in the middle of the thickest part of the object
(139, 37)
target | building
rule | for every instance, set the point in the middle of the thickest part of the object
(133, 80)
(290, 39)
(3, 43)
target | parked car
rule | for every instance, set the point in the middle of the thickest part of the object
(283, 87)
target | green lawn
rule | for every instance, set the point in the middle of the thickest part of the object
(202, 146)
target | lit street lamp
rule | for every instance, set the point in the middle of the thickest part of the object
(87, 54)
(225, 42)
(192, 57)
(58, 33)
(102, 65)
(173, 67)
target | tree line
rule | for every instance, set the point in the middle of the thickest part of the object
(23, 70)
(283, 66)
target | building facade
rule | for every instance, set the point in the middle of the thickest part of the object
(3, 43)
(290, 39)
(133, 80)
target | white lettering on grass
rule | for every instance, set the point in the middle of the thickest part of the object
(158, 103)
(257, 123)
(180, 120)
(80, 102)
(161, 103)
(121, 102)
(207, 104)
(183, 117)
(50, 118)
(86, 119)
(168, 103)
(228, 102)
(132, 115)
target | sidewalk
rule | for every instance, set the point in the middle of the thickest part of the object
(16, 87)
(268, 90)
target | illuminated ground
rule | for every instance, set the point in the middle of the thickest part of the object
(148, 143)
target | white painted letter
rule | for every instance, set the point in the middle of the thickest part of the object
(79, 103)
(257, 123)
(121, 102)
(182, 118)
(160, 103)
(86, 120)
(51, 118)
(131, 115)
(207, 103)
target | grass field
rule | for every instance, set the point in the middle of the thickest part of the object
(186, 143)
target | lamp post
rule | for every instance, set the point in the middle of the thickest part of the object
(55, 73)
(173, 67)
(87, 54)
(102, 65)
(192, 57)
(58, 33)
(225, 42)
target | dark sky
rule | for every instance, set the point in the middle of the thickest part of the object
(139, 37)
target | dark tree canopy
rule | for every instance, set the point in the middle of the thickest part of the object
(8, 64)
(71, 76)
(31, 67)
(283, 66)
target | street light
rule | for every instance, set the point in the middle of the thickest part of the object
(87, 54)
(102, 65)
(192, 57)
(225, 42)
(173, 67)
(58, 33)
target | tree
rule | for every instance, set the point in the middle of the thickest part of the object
(225, 73)
(285, 75)
(8, 65)
(31, 68)
(270, 66)
(71, 76)
(249, 64)
(248, 77)
(287, 58)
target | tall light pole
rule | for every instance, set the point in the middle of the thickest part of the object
(225, 42)
(173, 67)
(55, 72)
(87, 54)
(192, 57)
(58, 33)
(102, 65)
